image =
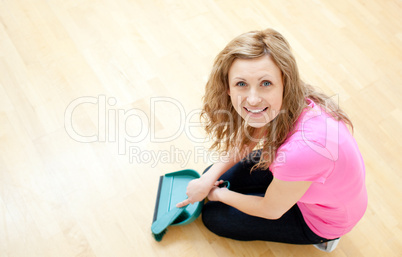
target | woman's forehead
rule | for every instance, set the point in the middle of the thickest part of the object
(260, 66)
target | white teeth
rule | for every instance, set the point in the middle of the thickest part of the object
(255, 111)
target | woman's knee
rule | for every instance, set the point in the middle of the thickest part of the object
(223, 220)
(214, 217)
(210, 214)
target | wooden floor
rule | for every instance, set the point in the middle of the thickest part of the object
(98, 98)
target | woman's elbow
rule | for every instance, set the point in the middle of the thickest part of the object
(272, 215)
(271, 212)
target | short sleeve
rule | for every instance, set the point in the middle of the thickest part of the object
(297, 161)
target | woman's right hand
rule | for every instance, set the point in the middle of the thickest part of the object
(197, 190)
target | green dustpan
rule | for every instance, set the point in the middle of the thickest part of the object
(172, 190)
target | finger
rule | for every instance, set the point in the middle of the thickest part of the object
(182, 204)
(217, 183)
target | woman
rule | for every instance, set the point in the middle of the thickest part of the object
(306, 183)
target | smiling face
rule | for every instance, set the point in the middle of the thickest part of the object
(256, 89)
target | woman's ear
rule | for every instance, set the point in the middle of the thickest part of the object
(228, 91)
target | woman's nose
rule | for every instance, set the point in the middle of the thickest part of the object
(253, 98)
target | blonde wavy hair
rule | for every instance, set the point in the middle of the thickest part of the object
(227, 127)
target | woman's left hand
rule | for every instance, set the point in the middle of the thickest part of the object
(213, 195)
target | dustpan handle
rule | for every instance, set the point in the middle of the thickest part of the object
(225, 184)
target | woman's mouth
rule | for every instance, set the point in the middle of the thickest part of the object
(255, 111)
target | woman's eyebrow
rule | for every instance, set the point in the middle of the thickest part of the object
(267, 75)
(239, 78)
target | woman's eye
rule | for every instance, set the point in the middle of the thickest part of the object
(241, 84)
(266, 83)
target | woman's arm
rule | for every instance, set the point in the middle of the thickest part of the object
(279, 198)
(198, 189)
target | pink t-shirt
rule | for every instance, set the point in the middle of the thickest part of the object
(322, 150)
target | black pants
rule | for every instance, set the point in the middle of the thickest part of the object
(229, 222)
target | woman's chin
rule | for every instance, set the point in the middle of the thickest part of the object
(256, 124)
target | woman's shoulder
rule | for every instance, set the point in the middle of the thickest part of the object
(317, 134)
(314, 124)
